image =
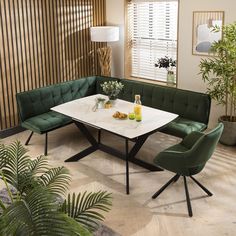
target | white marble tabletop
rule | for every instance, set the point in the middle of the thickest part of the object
(82, 110)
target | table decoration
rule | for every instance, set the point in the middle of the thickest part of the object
(112, 89)
(168, 63)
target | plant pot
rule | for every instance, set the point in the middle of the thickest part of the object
(228, 136)
(112, 100)
(112, 97)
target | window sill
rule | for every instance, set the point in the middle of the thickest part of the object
(152, 81)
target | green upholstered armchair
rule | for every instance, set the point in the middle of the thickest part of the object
(188, 158)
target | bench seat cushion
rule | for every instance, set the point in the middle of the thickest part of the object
(181, 127)
(45, 122)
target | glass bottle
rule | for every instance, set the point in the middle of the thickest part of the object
(138, 108)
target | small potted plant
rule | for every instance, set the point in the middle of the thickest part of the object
(168, 63)
(112, 89)
(219, 73)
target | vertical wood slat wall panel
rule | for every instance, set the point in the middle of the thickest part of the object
(44, 42)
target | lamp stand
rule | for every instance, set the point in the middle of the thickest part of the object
(104, 57)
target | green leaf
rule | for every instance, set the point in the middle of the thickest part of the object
(16, 163)
(56, 179)
(219, 72)
(38, 214)
(38, 166)
(3, 156)
(34, 210)
(84, 208)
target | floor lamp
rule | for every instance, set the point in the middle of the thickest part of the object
(104, 34)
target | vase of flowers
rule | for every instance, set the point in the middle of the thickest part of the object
(112, 89)
(168, 63)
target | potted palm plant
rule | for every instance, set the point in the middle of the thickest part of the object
(34, 202)
(219, 73)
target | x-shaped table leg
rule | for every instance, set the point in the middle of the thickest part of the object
(128, 156)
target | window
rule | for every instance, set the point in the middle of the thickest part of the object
(152, 34)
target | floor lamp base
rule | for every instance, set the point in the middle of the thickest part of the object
(104, 57)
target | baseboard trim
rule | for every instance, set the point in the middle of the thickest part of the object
(9, 132)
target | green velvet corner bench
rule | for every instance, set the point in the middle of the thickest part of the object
(34, 106)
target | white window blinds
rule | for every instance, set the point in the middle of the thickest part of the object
(152, 27)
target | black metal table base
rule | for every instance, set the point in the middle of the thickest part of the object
(128, 155)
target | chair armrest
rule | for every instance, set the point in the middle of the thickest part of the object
(175, 161)
(191, 139)
(173, 153)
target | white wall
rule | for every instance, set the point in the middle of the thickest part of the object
(116, 16)
(188, 69)
(188, 63)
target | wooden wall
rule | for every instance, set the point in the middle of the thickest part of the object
(43, 42)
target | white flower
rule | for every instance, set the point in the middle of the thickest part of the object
(112, 88)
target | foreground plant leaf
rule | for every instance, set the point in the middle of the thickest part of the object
(38, 215)
(83, 207)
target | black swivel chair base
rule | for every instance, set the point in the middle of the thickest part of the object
(46, 142)
(175, 179)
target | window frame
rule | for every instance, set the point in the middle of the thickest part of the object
(128, 50)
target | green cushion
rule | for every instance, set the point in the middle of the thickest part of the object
(187, 104)
(174, 159)
(41, 100)
(181, 127)
(192, 105)
(191, 139)
(34, 102)
(131, 88)
(45, 122)
(193, 108)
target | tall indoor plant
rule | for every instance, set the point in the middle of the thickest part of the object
(219, 72)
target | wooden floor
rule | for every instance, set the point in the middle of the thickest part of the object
(137, 214)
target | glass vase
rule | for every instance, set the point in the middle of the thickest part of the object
(170, 78)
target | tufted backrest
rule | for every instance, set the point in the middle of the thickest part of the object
(201, 150)
(38, 101)
(204, 147)
(187, 104)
